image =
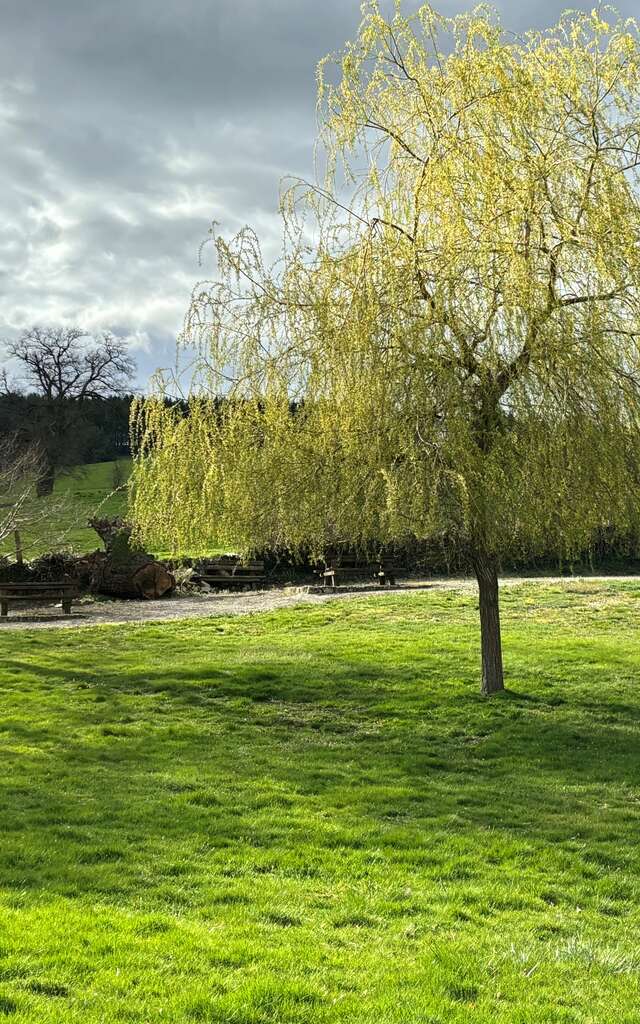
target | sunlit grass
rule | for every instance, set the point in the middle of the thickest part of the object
(311, 816)
(97, 489)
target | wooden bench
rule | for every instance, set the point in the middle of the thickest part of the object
(231, 572)
(64, 592)
(347, 566)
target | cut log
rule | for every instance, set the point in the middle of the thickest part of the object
(149, 581)
(126, 571)
(153, 581)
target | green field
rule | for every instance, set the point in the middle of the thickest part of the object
(86, 491)
(311, 816)
(93, 489)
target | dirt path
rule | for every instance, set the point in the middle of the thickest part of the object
(198, 606)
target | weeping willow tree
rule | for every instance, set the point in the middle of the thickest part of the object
(448, 345)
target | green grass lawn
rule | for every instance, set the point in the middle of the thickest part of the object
(95, 489)
(311, 816)
(87, 490)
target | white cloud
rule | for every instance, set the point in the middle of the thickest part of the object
(128, 127)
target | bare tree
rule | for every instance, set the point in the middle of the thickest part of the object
(5, 384)
(65, 362)
(21, 516)
(66, 366)
(18, 469)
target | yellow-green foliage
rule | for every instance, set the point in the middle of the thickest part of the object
(455, 312)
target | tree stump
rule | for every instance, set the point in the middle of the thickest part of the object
(127, 571)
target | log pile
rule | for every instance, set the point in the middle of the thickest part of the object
(124, 570)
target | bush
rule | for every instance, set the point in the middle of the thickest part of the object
(54, 568)
(14, 572)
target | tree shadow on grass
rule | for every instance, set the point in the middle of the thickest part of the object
(246, 756)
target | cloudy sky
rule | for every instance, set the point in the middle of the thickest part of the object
(128, 126)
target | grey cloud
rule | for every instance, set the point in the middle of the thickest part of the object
(127, 127)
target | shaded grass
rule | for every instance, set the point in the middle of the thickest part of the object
(311, 816)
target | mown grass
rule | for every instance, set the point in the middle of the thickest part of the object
(94, 489)
(311, 816)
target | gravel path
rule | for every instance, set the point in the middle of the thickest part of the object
(198, 606)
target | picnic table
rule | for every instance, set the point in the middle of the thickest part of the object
(229, 571)
(64, 592)
(351, 567)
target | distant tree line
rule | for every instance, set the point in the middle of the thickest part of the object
(69, 433)
(71, 399)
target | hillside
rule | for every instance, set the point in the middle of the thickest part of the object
(94, 489)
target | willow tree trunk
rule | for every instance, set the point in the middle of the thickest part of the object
(486, 571)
